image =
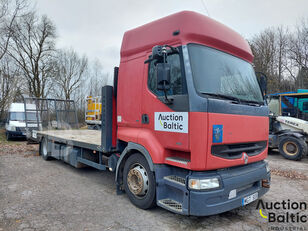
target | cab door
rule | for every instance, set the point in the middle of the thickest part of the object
(167, 117)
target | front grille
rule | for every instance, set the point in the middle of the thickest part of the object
(235, 151)
(20, 129)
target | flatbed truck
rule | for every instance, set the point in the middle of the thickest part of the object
(184, 126)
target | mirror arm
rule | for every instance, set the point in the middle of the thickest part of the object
(172, 49)
(148, 60)
(167, 100)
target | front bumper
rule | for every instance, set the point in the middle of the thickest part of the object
(16, 134)
(246, 180)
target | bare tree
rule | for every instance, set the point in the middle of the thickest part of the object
(97, 78)
(70, 70)
(263, 48)
(298, 54)
(9, 13)
(94, 79)
(270, 48)
(9, 83)
(282, 40)
(33, 46)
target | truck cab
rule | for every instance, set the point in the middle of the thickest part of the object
(184, 126)
(15, 126)
(208, 129)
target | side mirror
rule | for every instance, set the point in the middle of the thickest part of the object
(262, 80)
(162, 74)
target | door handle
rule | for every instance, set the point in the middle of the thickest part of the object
(145, 119)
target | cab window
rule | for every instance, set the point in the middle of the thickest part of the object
(177, 85)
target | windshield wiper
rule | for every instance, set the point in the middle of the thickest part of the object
(252, 102)
(222, 96)
(240, 101)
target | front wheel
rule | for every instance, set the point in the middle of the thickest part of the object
(292, 148)
(139, 182)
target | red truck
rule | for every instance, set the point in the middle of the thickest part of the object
(184, 127)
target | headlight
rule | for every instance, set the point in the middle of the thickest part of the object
(267, 166)
(200, 184)
(12, 128)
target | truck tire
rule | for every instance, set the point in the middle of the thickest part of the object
(97, 127)
(44, 149)
(139, 182)
(292, 148)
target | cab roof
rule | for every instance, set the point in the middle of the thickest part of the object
(193, 28)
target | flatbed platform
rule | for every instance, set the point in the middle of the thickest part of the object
(84, 138)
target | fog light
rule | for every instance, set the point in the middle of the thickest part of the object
(200, 184)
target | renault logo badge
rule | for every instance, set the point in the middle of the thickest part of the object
(245, 157)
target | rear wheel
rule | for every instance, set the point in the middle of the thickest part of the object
(44, 149)
(292, 148)
(139, 182)
(97, 127)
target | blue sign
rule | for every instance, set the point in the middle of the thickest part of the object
(217, 133)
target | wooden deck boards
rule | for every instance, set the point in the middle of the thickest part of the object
(80, 135)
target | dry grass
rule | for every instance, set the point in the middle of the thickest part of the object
(19, 147)
(3, 140)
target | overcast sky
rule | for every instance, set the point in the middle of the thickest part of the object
(96, 27)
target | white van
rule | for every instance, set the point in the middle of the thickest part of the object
(15, 125)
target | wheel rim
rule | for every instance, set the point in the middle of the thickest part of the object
(290, 148)
(137, 180)
(44, 148)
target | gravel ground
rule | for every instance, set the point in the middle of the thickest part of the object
(51, 195)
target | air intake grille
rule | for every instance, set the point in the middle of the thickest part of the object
(235, 151)
(175, 179)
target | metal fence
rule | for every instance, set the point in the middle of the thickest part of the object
(49, 114)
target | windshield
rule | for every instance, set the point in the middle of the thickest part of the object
(20, 116)
(216, 72)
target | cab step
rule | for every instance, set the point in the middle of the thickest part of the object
(178, 160)
(171, 205)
